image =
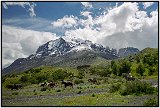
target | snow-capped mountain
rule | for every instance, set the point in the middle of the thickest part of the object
(61, 47)
(54, 47)
(61, 52)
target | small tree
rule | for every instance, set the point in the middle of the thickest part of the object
(124, 68)
(151, 70)
(140, 69)
(114, 67)
(105, 72)
(138, 59)
(149, 59)
(81, 74)
(59, 74)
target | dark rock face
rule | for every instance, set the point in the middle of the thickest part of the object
(123, 52)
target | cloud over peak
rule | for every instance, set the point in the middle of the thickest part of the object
(121, 26)
(21, 43)
(117, 26)
(66, 22)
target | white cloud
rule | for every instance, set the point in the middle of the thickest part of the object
(87, 5)
(23, 5)
(18, 42)
(121, 15)
(66, 22)
(147, 4)
(121, 26)
(83, 33)
(85, 13)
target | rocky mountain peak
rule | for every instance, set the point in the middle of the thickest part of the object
(123, 52)
(74, 51)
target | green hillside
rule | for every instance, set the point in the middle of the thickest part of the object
(142, 66)
(139, 65)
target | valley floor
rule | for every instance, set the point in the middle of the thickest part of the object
(80, 95)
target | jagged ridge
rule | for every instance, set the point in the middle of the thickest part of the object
(60, 52)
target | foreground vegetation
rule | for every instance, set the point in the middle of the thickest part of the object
(110, 88)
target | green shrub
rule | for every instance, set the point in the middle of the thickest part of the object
(58, 90)
(78, 81)
(114, 67)
(140, 69)
(115, 87)
(93, 95)
(151, 102)
(125, 67)
(40, 78)
(137, 87)
(149, 59)
(101, 70)
(37, 70)
(12, 75)
(152, 70)
(24, 78)
(34, 80)
(81, 74)
(60, 74)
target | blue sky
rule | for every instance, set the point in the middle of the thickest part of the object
(55, 10)
(48, 12)
(27, 25)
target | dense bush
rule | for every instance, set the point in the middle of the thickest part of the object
(151, 102)
(114, 67)
(149, 59)
(106, 72)
(35, 76)
(36, 70)
(81, 74)
(24, 78)
(93, 95)
(115, 87)
(136, 87)
(100, 70)
(140, 69)
(41, 77)
(152, 70)
(125, 67)
(58, 90)
(59, 74)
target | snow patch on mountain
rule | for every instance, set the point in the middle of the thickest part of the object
(63, 46)
(80, 48)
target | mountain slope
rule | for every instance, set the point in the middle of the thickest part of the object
(123, 52)
(60, 52)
